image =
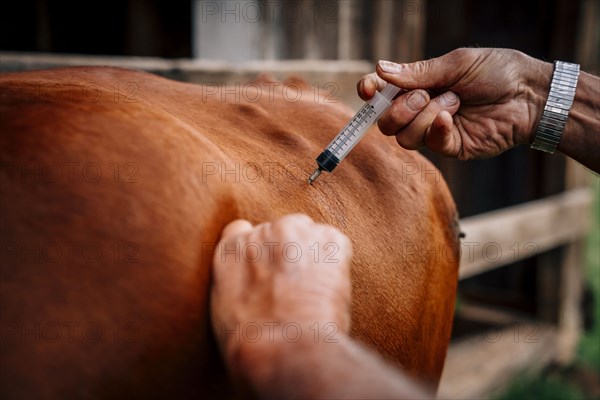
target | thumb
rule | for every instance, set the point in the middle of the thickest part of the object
(427, 74)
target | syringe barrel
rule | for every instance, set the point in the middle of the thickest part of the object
(389, 91)
(359, 125)
(382, 100)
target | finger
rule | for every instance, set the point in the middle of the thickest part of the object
(403, 111)
(368, 84)
(228, 281)
(443, 136)
(235, 228)
(412, 136)
(434, 73)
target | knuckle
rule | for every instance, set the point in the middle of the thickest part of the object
(396, 116)
(420, 66)
(458, 55)
(292, 226)
(414, 101)
(294, 219)
(336, 235)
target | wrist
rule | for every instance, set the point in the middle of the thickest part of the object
(535, 90)
(557, 108)
(276, 367)
(259, 357)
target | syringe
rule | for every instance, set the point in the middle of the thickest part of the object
(349, 137)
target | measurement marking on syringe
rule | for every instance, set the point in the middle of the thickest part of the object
(363, 115)
(354, 131)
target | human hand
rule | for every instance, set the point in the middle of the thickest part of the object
(271, 275)
(485, 101)
(252, 288)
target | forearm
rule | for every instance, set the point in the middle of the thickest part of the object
(581, 137)
(312, 370)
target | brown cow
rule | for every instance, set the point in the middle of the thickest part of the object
(115, 187)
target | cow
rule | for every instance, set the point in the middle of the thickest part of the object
(115, 187)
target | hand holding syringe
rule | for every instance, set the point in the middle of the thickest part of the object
(351, 134)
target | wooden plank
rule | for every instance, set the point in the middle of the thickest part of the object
(480, 366)
(489, 314)
(504, 236)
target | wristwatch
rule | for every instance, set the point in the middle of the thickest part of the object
(558, 105)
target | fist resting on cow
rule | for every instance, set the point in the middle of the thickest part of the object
(283, 321)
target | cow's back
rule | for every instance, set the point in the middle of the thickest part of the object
(114, 192)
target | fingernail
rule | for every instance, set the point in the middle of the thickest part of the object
(449, 99)
(389, 67)
(416, 101)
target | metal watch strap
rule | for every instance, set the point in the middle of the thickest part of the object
(558, 105)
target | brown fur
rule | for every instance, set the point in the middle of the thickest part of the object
(164, 210)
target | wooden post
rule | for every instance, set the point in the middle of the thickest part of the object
(349, 37)
(571, 287)
(551, 178)
(326, 18)
(571, 278)
(226, 30)
(409, 35)
(571, 274)
(272, 30)
(310, 41)
(383, 32)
